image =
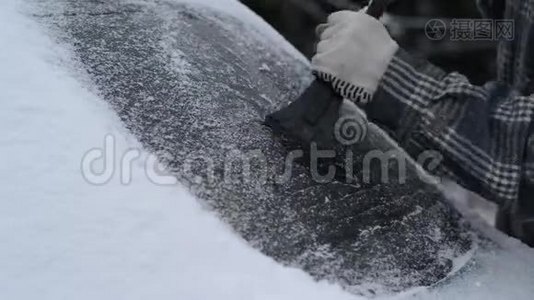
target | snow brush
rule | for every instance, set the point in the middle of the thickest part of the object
(313, 116)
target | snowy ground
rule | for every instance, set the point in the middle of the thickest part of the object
(63, 238)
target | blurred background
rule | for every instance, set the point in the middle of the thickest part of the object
(406, 21)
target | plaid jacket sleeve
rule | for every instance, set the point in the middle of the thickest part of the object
(480, 132)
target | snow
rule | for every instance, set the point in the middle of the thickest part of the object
(63, 238)
(241, 12)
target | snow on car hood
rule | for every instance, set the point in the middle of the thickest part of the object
(62, 238)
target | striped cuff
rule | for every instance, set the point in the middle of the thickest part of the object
(357, 94)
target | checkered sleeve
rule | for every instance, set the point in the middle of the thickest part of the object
(480, 132)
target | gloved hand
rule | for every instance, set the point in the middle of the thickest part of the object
(353, 54)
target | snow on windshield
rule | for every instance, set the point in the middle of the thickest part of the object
(62, 238)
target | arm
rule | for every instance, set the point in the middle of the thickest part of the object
(482, 132)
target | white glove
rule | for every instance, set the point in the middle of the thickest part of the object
(353, 54)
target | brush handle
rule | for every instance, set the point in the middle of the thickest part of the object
(376, 8)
